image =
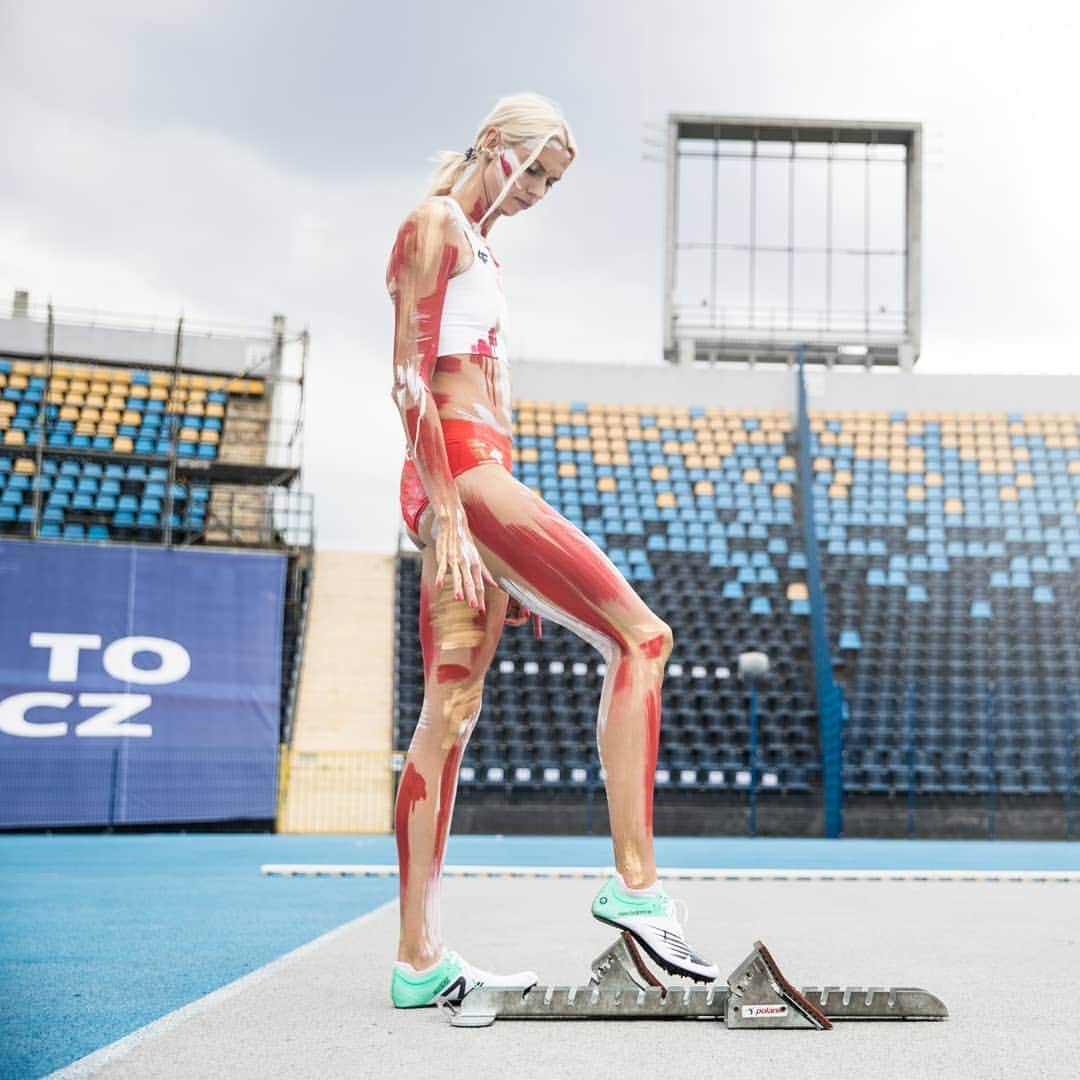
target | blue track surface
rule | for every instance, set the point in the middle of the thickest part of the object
(102, 934)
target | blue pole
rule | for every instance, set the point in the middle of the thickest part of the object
(990, 758)
(1070, 783)
(911, 761)
(592, 779)
(753, 758)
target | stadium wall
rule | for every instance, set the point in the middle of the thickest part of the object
(776, 388)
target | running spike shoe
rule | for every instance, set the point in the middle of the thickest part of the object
(449, 981)
(653, 922)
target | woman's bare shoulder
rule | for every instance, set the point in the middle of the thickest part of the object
(433, 211)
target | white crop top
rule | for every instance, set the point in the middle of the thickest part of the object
(474, 312)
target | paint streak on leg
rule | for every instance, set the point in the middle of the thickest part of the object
(652, 648)
(447, 794)
(451, 673)
(411, 790)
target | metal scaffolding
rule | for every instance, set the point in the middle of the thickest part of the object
(732, 324)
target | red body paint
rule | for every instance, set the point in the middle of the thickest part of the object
(447, 793)
(653, 647)
(623, 675)
(449, 364)
(411, 790)
(481, 347)
(551, 556)
(451, 672)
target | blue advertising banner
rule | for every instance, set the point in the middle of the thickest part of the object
(137, 684)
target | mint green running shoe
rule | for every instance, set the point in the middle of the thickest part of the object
(448, 982)
(654, 925)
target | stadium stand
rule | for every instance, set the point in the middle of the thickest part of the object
(116, 412)
(950, 546)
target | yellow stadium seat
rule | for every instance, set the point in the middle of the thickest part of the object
(606, 483)
(797, 590)
(916, 492)
(934, 480)
(711, 461)
(530, 453)
(694, 461)
(659, 472)
(822, 464)
(781, 490)
(703, 487)
(209, 436)
(842, 476)
(751, 476)
(14, 437)
(954, 506)
(620, 458)
(567, 468)
(1025, 480)
(122, 444)
(106, 427)
(1074, 467)
(837, 491)
(601, 457)
(24, 466)
(665, 499)
(189, 434)
(786, 463)
(85, 427)
(1007, 494)
(7, 408)
(564, 442)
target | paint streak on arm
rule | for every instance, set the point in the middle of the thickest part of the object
(420, 266)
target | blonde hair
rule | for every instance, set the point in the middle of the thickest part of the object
(519, 117)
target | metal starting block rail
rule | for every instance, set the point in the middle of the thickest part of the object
(757, 995)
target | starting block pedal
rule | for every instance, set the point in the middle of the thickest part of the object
(757, 995)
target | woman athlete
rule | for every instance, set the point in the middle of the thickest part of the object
(495, 552)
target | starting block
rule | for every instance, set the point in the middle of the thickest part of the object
(623, 987)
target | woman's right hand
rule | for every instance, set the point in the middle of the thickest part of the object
(455, 551)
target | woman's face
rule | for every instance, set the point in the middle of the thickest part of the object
(538, 179)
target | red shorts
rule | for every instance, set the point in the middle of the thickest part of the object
(468, 444)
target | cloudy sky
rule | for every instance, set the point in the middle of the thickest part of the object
(243, 157)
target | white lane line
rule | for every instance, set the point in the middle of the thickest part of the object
(95, 1062)
(749, 874)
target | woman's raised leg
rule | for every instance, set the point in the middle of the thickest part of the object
(555, 570)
